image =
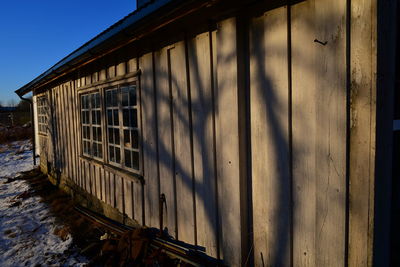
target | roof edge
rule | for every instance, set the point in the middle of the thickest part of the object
(128, 21)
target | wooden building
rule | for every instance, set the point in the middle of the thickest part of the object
(266, 125)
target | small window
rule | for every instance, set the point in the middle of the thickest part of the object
(91, 125)
(122, 127)
(42, 114)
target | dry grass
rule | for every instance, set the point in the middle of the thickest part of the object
(14, 134)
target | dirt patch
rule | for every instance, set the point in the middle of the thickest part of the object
(99, 244)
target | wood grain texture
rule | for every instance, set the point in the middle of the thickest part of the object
(98, 181)
(119, 193)
(227, 142)
(331, 121)
(132, 65)
(107, 187)
(165, 146)
(362, 132)
(149, 145)
(203, 146)
(304, 94)
(74, 135)
(269, 98)
(182, 145)
(121, 69)
(113, 201)
(128, 198)
(137, 198)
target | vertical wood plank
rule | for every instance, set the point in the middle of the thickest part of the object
(111, 71)
(203, 144)
(107, 188)
(167, 181)
(128, 198)
(67, 121)
(87, 177)
(132, 65)
(137, 198)
(102, 74)
(330, 17)
(60, 131)
(73, 131)
(64, 140)
(270, 138)
(304, 133)
(182, 145)
(149, 145)
(121, 69)
(98, 181)
(103, 184)
(227, 142)
(362, 131)
(112, 190)
(119, 193)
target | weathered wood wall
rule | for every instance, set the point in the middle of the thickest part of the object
(299, 112)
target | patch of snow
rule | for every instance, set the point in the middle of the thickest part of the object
(26, 226)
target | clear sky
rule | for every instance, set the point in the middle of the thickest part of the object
(36, 34)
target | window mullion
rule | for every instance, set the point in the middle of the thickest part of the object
(90, 124)
(103, 125)
(121, 127)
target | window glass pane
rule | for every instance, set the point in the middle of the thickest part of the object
(99, 134)
(98, 117)
(111, 151)
(135, 139)
(87, 117)
(109, 117)
(88, 132)
(117, 155)
(108, 98)
(116, 119)
(92, 100)
(125, 96)
(94, 150)
(94, 117)
(97, 96)
(110, 136)
(132, 96)
(114, 98)
(133, 118)
(135, 160)
(127, 142)
(116, 136)
(100, 150)
(94, 132)
(128, 159)
(89, 149)
(83, 117)
(125, 116)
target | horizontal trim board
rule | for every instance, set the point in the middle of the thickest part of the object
(115, 170)
(112, 81)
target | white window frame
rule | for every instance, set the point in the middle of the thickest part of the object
(87, 123)
(122, 129)
(42, 114)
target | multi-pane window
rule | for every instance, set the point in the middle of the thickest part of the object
(91, 125)
(122, 127)
(114, 142)
(42, 114)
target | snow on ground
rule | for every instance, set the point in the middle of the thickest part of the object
(26, 225)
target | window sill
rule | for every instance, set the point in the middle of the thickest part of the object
(134, 177)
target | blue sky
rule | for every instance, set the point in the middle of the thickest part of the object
(34, 35)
